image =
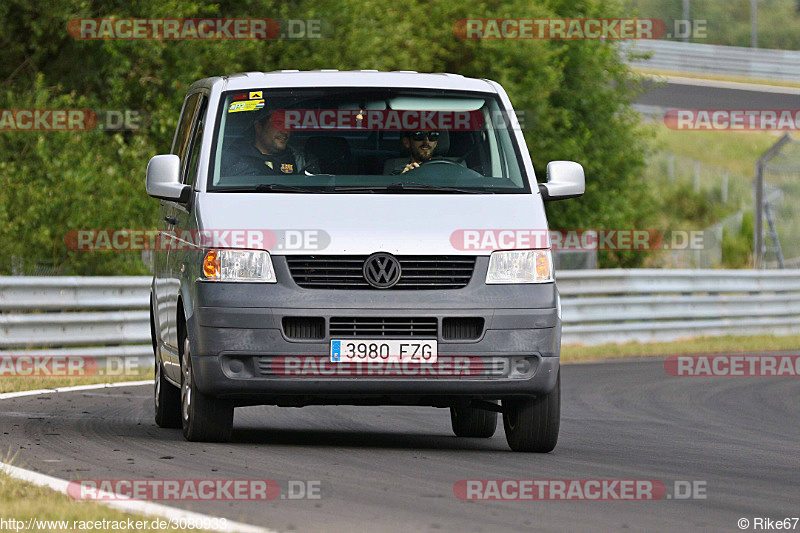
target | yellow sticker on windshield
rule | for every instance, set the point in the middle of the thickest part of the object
(256, 95)
(247, 105)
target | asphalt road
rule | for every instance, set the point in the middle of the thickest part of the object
(704, 94)
(393, 469)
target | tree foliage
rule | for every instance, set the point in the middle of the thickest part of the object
(576, 96)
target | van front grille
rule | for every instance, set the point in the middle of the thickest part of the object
(304, 327)
(462, 328)
(419, 272)
(383, 327)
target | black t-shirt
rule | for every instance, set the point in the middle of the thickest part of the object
(244, 159)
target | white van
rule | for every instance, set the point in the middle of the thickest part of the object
(356, 238)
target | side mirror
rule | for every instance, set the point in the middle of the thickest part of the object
(164, 179)
(565, 180)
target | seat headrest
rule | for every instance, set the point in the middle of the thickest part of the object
(328, 146)
(444, 143)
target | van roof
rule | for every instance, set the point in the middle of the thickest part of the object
(346, 78)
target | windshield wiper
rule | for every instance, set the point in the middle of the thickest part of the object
(407, 186)
(270, 187)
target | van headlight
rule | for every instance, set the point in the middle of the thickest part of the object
(520, 266)
(238, 265)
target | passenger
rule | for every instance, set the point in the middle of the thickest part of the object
(267, 152)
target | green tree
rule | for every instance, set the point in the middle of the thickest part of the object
(575, 94)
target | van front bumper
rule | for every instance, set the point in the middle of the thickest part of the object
(240, 350)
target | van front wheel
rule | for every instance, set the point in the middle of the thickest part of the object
(532, 424)
(204, 418)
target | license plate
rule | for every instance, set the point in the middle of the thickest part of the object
(366, 350)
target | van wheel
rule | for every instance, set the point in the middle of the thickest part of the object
(471, 422)
(532, 424)
(205, 418)
(167, 400)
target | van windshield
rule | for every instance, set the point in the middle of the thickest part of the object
(365, 140)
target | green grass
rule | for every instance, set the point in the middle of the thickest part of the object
(699, 345)
(735, 151)
(729, 23)
(716, 77)
(680, 205)
(20, 500)
(21, 383)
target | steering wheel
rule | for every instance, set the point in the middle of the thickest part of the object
(438, 161)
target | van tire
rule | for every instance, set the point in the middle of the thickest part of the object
(532, 424)
(471, 422)
(167, 400)
(166, 396)
(204, 418)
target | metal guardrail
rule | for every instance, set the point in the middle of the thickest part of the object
(108, 316)
(91, 316)
(723, 60)
(651, 305)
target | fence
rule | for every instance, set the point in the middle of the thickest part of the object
(108, 316)
(720, 60)
(715, 189)
(777, 199)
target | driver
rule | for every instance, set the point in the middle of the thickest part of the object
(267, 152)
(420, 146)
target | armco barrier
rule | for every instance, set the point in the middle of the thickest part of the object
(92, 316)
(721, 60)
(102, 316)
(649, 305)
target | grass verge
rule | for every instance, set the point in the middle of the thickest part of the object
(717, 77)
(21, 501)
(699, 345)
(735, 151)
(21, 383)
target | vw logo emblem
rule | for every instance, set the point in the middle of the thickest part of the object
(382, 270)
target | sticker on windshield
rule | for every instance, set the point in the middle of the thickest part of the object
(248, 105)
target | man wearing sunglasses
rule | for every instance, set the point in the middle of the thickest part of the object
(420, 145)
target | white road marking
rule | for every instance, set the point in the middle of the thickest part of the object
(126, 505)
(20, 394)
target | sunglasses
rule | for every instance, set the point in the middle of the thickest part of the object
(420, 135)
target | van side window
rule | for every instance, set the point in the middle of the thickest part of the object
(181, 142)
(196, 142)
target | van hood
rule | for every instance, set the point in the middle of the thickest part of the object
(362, 224)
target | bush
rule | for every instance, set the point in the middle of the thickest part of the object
(576, 95)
